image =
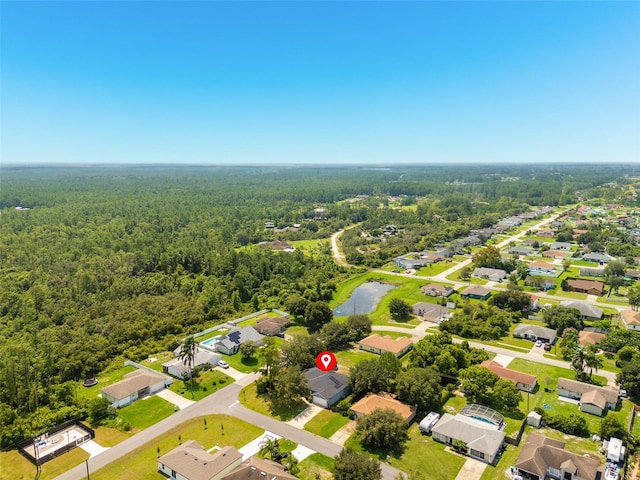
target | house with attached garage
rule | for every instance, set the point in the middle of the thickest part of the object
(437, 290)
(380, 344)
(590, 287)
(374, 401)
(524, 381)
(133, 386)
(230, 343)
(476, 292)
(178, 368)
(593, 399)
(430, 312)
(543, 458)
(630, 319)
(534, 332)
(543, 268)
(327, 388)
(587, 311)
(493, 274)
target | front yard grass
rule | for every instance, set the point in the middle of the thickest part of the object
(422, 454)
(316, 464)
(141, 463)
(349, 358)
(326, 423)
(259, 403)
(146, 412)
(204, 384)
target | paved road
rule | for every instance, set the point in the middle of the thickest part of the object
(224, 401)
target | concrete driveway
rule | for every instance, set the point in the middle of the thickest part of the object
(303, 417)
(254, 446)
(471, 470)
(177, 400)
(232, 372)
(93, 448)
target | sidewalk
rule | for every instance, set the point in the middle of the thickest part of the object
(344, 433)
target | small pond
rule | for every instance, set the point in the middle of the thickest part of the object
(364, 299)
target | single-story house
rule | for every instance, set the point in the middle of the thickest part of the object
(379, 344)
(590, 338)
(591, 287)
(272, 326)
(587, 311)
(593, 399)
(483, 440)
(534, 332)
(597, 257)
(190, 461)
(566, 246)
(542, 458)
(591, 271)
(133, 386)
(493, 274)
(178, 368)
(543, 268)
(410, 261)
(633, 274)
(254, 468)
(373, 401)
(437, 290)
(556, 254)
(630, 319)
(546, 232)
(520, 250)
(524, 381)
(230, 343)
(511, 221)
(477, 292)
(432, 257)
(430, 312)
(327, 388)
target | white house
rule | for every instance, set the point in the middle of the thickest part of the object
(178, 368)
(630, 319)
(135, 385)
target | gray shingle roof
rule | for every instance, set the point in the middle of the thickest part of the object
(325, 384)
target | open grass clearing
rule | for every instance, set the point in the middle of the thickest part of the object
(314, 465)
(326, 423)
(422, 454)
(14, 466)
(349, 358)
(433, 269)
(146, 412)
(141, 463)
(106, 378)
(203, 385)
(259, 403)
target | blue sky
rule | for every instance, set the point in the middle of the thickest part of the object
(320, 82)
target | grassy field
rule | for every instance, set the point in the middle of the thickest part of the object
(326, 423)
(249, 398)
(205, 384)
(316, 464)
(422, 454)
(434, 269)
(14, 466)
(311, 246)
(104, 379)
(348, 358)
(393, 334)
(146, 412)
(141, 463)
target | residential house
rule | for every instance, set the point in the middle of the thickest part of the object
(272, 326)
(177, 367)
(327, 388)
(546, 232)
(511, 221)
(590, 287)
(520, 250)
(534, 332)
(482, 436)
(591, 272)
(437, 290)
(630, 319)
(593, 399)
(633, 274)
(432, 258)
(590, 338)
(601, 258)
(230, 343)
(542, 458)
(190, 461)
(133, 386)
(255, 468)
(430, 312)
(547, 283)
(543, 268)
(524, 381)
(562, 246)
(373, 401)
(556, 254)
(587, 311)
(410, 261)
(493, 274)
(380, 344)
(477, 292)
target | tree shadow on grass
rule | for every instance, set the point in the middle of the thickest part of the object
(249, 362)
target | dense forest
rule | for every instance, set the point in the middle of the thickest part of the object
(102, 263)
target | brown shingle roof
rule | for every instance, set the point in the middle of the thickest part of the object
(386, 343)
(585, 284)
(374, 401)
(609, 393)
(630, 317)
(512, 375)
(593, 338)
(259, 469)
(192, 461)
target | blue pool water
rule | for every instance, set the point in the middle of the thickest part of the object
(364, 299)
(210, 342)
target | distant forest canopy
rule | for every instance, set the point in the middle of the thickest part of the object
(114, 262)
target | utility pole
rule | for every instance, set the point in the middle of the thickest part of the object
(86, 462)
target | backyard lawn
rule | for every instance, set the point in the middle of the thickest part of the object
(141, 463)
(146, 412)
(348, 358)
(326, 423)
(422, 454)
(111, 375)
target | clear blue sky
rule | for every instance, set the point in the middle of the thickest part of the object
(320, 82)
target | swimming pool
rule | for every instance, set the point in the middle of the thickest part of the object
(210, 342)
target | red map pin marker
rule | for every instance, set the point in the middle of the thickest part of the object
(326, 361)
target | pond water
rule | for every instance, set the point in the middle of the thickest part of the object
(364, 299)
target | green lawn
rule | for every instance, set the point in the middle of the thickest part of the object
(573, 295)
(326, 423)
(507, 459)
(422, 454)
(14, 466)
(141, 463)
(249, 398)
(316, 464)
(436, 268)
(109, 376)
(393, 334)
(348, 358)
(146, 412)
(204, 384)
(311, 246)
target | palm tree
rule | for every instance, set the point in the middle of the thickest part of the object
(578, 361)
(187, 355)
(591, 360)
(270, 448)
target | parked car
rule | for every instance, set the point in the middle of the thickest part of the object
(223, 364)
(538, 343)
(547, 346)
